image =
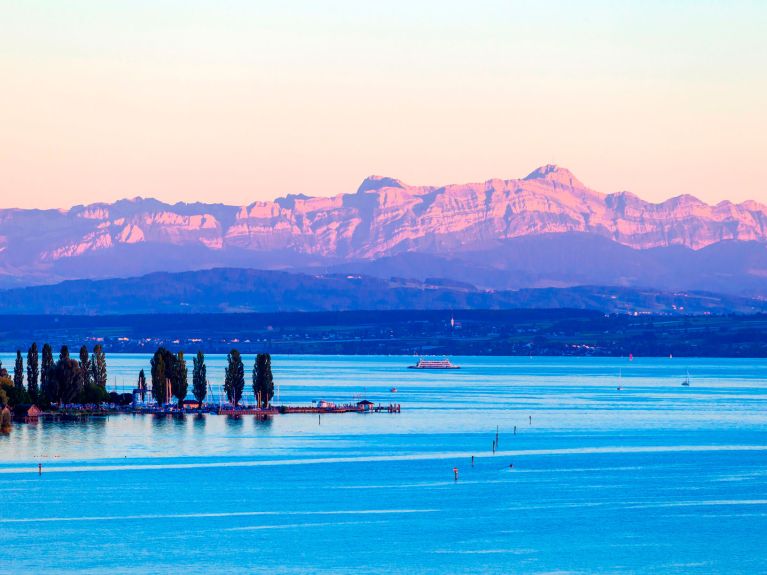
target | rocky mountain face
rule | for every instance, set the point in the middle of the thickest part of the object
(384, 218)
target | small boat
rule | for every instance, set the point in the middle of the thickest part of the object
(433, 364)
(393, 390)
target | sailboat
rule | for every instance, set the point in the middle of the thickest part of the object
(686, 382)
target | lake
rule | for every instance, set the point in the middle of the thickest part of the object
(652, 478)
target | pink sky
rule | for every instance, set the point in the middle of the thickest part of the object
(239, 101)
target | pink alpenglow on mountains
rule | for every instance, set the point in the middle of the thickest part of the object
(383, 217)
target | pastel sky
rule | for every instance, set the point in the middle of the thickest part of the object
(235, 101)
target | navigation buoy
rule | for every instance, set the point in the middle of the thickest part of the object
(455, 472)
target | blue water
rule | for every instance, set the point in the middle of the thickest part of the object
(654, 478)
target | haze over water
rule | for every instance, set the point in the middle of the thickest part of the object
(653, 478)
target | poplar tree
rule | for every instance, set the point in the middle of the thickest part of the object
(141, 385)
(33, 372)
(263, 382)
(85, 367)
(46, 366)
(199, 377)
(18, 371)
(99, 366)
(163, 371)
(234, 377)
(158, 376)
(180, 382)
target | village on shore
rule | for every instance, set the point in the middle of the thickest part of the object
(70, 388)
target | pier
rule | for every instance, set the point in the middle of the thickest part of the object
(76, 414)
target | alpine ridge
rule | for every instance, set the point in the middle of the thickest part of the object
(383, 218)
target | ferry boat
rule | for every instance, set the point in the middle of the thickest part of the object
(433, 364)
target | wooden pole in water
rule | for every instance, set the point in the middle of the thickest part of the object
(39, 468)
(496, 436)
(455, 473)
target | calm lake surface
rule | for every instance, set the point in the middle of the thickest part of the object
(654, 478)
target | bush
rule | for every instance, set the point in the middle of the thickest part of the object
(120, 398)
(93, 394)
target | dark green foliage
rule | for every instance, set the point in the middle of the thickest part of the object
(85, 366)
(65, 381)
(119, 398)
(33, 372)
(263, 382)
(199, 377)
(141, 385)
(165, 369)
(180, 382)
(45, 367)
(92, 393)
(18, 371)
(64, 352)
(98, 365)
(234, 377)
(3, 371)
(163, 364)
(13, 395)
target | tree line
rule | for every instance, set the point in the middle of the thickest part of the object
(169, 375)
(65, 380)
(84, 380)
(170, 378)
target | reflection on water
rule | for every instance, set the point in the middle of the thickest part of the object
(589, 461)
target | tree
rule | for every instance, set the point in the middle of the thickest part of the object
(18, 371)
(85, 366)
(234, 377)
(65, 381)
(263, 382)
(99, 366)
(163, 371)
(13, 395)
(33, 372)
(141, 385)
(180, 383)
(64, 352)
(199, 377)
(3, 371)
(45, 367)
(159, 388)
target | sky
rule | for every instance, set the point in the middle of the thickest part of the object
(236, 101)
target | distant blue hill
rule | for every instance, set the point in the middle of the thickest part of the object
(238, 290)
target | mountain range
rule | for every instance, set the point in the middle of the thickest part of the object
(232, 290)
(546, 230)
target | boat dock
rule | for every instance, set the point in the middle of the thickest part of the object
(324, 408)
